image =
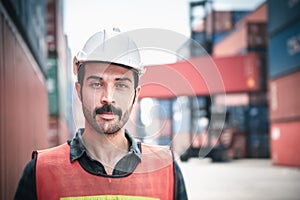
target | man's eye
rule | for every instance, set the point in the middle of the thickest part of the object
(121, 85)
(96, 85)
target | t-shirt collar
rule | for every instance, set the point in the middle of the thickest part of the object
(77, 148)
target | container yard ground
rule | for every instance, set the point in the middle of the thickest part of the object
(255, 179)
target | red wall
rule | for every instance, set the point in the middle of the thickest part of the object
(23, 105)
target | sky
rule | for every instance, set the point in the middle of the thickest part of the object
(82, 18)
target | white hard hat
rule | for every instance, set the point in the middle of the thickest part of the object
(110, 47)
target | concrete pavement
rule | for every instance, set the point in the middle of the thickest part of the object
(245, 179)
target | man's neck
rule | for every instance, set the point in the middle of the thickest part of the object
(107, 149)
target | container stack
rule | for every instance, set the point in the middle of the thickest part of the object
(284, 76)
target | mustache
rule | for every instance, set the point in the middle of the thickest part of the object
(107, 108)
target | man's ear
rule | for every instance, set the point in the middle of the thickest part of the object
(75, 67)
(137, 93)
(78, 90)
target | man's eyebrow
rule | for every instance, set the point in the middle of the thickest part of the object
(123, 79)
(95, 77)
(116, 79)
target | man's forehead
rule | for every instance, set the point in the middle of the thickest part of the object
(106, 69)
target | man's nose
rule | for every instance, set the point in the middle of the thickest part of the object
(108, 96)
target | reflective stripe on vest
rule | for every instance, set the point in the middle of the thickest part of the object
(58, 178)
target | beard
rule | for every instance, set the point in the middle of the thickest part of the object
(108, 127)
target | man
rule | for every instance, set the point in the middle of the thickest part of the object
(104, 161)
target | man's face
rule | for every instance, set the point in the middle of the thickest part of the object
(108, 95)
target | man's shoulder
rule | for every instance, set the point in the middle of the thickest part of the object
(54, 152)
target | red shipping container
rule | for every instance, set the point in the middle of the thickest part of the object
(285, 97)
(285, 143)
(23, 105)
(202, 76)
(250, 37)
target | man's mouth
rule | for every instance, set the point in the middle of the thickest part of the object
(107, 115)
(108, 112)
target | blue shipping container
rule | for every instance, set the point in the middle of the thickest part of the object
(30, 18)
(238, 15)
(281, 13)
(258, 119)
(258, 146)
(284, 51)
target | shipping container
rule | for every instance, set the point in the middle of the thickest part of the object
(258, 119)
(284, 51)
(56, 39)
(258, 146)
(224, 21)
(238, 15)
(51, 26)
(282, 13)
(23, 104)
(250, 119)
(285, 97)
(161, 81)
(52, 83)
(248, 38)
(257, 37)
(30, 20)
(237, 117)
(232, 44)
(218, 25)
(220, 36)
(248, 35)
(59, 74)
(258, 131)
(60, 112)
(258, 98)
(259, 15)
(285, 143)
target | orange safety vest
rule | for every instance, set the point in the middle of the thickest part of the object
(58, 178)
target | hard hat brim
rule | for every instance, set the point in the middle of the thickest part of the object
(80, 64)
